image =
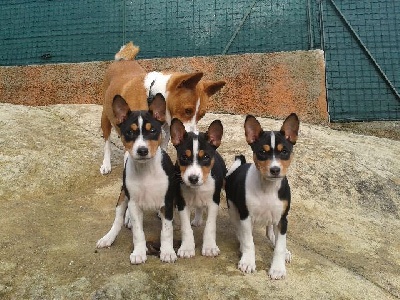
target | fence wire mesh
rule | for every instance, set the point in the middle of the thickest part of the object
(360, 38)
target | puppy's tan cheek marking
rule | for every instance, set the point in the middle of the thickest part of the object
(182, 169)
(285, 165)
(206, 170)
(147, 126)
(128, 145)
(188, 153)
(262, 165)
(267, 148)
(153, 146)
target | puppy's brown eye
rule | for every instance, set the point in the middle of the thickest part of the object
(188, 111)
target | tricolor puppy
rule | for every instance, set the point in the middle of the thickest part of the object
(149, 181)
(202, 171)
(186, 95)
(260, 192)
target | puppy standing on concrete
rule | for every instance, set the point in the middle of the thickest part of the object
(149, 180)
(201, 171)
(186, 95)
(260, 192)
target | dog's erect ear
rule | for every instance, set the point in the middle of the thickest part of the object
(211, 87)
(158, 107)
(188, 81)
(214, 133)
(290, 128)
(177, 131)
(252, 129)
(120, 108)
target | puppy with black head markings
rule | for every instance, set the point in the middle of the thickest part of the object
(260, 192)
(201, 171)
(149, 181)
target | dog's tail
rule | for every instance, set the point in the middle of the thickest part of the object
(127, 52)
(239, 160)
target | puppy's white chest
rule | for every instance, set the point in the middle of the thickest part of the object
(147, 189)
(262, 200)
(199, 196)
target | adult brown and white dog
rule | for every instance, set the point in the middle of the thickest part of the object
(186, 95)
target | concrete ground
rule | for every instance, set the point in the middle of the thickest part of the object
(54, 205)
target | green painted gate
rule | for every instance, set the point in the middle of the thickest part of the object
(361, 42)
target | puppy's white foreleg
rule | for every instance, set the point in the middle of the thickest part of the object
(210, 247)
(187, 248)
(278, 268)
(109, 238)
(247, 262)
(167, 252)
(138, 255)
(106, 166)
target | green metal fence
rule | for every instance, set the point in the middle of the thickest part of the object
(360, 38)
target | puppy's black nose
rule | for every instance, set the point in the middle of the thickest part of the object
(142, 151)
(275, 171)
(193, 179)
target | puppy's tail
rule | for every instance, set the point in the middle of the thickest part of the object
(239, 160)
(127, 52)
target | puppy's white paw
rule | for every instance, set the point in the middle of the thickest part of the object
(105, 241)
(168, 256)
(288, 256)
(105, 169)
(247, 263)
(211, 251)
(138, 257)
(277, 271)
(186, 252)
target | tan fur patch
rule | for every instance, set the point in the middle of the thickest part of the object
(279, 147)
(285, 166)
(134, 127)
(285, 204)
(267, 148)
(153, 146)
(147, 126)
(262, 166)
(121, 197)
(206, 170)
(188, 153)
(201, 153)
(128, 145)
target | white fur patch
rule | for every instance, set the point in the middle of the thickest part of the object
(262, 198)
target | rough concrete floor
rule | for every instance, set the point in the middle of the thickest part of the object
(54, 206)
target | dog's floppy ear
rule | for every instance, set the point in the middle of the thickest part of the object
(214, 133)
(252, 129)
(290, 128)
(188, 80)
(211, 87)
(158, 107)
(177, 131)
(120, 108)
